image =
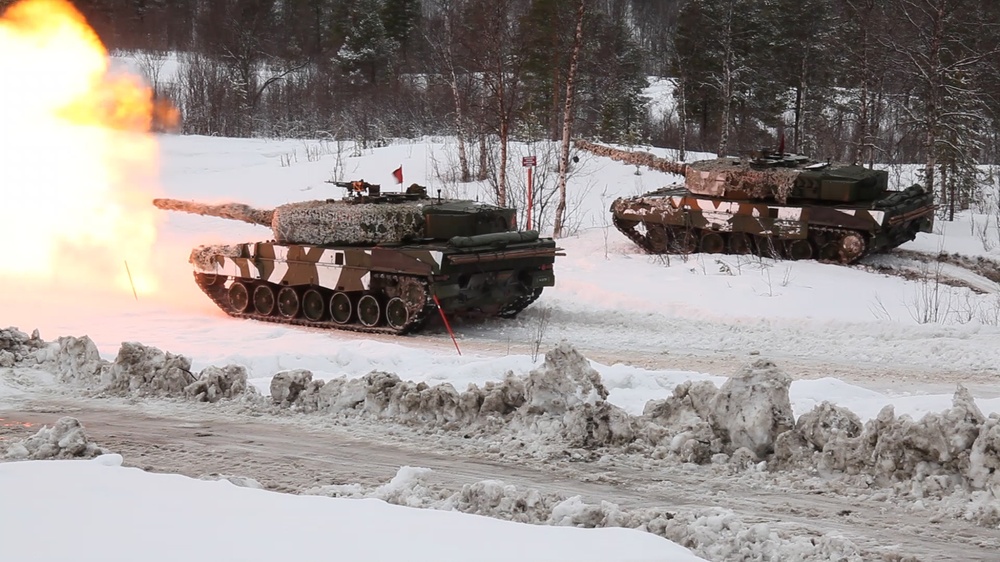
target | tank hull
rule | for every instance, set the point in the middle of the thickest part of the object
(676, 221)
(387, 289)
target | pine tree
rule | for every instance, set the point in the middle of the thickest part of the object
(367, 46)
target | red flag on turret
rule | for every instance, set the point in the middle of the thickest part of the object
(398, 174)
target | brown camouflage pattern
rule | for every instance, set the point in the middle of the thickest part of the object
(677, 207)
(345, 269)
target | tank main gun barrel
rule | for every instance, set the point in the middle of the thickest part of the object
(232, 211)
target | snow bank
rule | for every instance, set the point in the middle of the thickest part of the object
(715, 533)
(955, 451)
(744, 418)
(564, 400)
(561, 407)
(64, 440)
(385, 396)
(144, 371)
(16, 346)
(137, 370)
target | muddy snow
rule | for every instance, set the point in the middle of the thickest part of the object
(945, 463)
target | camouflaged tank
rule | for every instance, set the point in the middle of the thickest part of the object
(373, 262)
(784, 206)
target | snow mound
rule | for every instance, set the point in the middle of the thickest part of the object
(565, 380)
(137, 370)
(825, 423)
(680, 423)
(73, 360)
(700, 421)
(953, 455)
(64, 440)
(565, 397)
(385, 395)
(563, 400)
(142, 370)
(215, 383)
(286, 386)
(714, 533)
(753, 408)
(17, 346)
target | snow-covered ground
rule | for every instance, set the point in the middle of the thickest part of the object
(79, 503)
(859, 339)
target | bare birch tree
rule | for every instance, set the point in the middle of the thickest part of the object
(442, 42)
(557, 228)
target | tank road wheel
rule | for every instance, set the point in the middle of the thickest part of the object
(396, 313)
(739, 243)
(288, 302)
(830, 252)
(369, 311)
(313, 305)
(658, 238)
(799, 249)
(712, 243)
(768, 247)
(239, 297)
(684, 240)
(852, 246)
(263, 300)
(340, 308)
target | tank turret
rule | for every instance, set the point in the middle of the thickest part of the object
(784, 177)
(373, 261)
(366, 216)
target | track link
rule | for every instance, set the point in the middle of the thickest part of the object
(516, 306)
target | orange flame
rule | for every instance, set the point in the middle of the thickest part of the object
(79, 166)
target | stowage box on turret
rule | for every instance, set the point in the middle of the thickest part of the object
(779, 205)
(373, 262)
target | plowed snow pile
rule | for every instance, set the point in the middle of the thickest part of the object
(948, 461)
(65, 440)
(715, 533)
(137, 370)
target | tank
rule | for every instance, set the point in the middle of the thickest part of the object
(373, 261)
(784, 206)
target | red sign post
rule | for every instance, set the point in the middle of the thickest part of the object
(529, 163)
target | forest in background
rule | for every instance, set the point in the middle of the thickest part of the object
(866, 81)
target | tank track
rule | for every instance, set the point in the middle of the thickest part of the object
(827, 234)
(516, 306)
(215, 287)
(628, 229)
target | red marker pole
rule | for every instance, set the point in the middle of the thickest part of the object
(530, 195)
(446, 324)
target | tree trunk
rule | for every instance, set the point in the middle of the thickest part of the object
(484, 161)
(800, 101)
(726, 89)
(682, 116)
(861, 132)
(557, 229)
(554, 126)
